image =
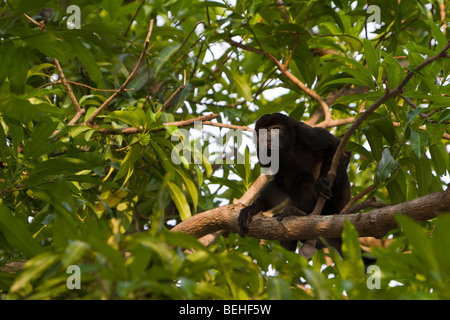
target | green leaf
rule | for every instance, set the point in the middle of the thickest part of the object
(127, 166)
(156, 144)
(179, 199)
(73, 252)
(4, 148)
(163, 57)
(357, 148)
(444, 116)
(375, 140)
(421, 244)
(438, 36)
(18, 70)
(412, 114)
(441, 241)
(423, 176)
(75, 130)
(33, 269)
(6, 54)
(278, 289)
(351, 248)
(59, 165)
(395, 72)
(419, 140)
(36, 70)
(86, 57)
(241, 83)
(133, 116)
(23, 110)
(247, 165)
(387, 165)
(386, 128)
(364, 77)
(190, 187)
(16, 233)
(39, 142)
(355, 81)
(317, 283)
(373, 62)
(439, 159)
(397, 188)
(107, 251)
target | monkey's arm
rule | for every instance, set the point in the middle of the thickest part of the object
(271, 196)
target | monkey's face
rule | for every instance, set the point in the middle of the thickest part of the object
(269, 138)
(268, 148)
(273, 139)
(271, 131)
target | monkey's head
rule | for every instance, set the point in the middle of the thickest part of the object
(274, 138)
(271, 126)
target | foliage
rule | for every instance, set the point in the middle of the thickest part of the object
(93, 196)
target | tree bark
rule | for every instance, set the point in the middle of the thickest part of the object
(375, 223)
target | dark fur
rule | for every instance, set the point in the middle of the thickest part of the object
(306, 154)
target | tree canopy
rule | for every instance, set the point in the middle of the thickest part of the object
(125, 134)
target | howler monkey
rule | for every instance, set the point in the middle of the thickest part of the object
(300, 156)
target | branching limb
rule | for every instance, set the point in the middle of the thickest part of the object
(79, 111)
(66, 84)
(124, 85)
(388, 95)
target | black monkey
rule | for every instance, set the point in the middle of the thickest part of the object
(305, 156)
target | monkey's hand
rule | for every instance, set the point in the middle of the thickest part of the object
(322, 187)
(245, 216)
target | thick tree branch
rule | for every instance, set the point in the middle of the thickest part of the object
(245, 200)
(376, 223)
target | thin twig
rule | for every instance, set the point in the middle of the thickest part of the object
(66, 85)
(191, 121)
(172, 97)
(422, 115)
(370, 203)
(123, 86)
(134, 18)
(40, 24)
(229, 126)
(131, 130)
(95, 89)
(442, 12)
(358, 196)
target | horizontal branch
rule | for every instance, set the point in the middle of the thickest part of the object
(181, 123)
(376, 223)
